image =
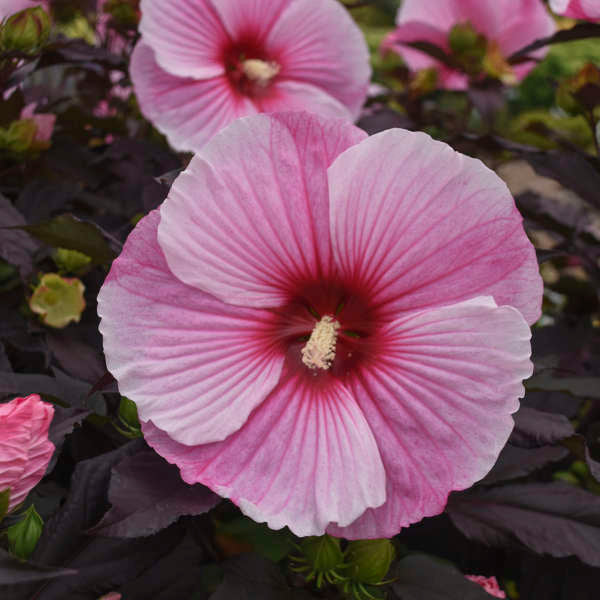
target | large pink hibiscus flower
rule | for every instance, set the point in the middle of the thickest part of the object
(25, 450)
(203, 63)
(577, 9)
(328, 329)
(508, 26)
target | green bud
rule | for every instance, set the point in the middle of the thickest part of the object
(24, 535)
(322, 552)
(129, 416)
(70, 261)
(4, 502)
(468, 47)
(58, 300)
(580, 469)
(26, 31)
(369, 560)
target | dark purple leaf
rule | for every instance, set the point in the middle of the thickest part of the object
(87, 501)
(16, 247)
(433, 51)
(75, 356)
(581, 31)
(421, 577)
(66, 231)
(13, 571)
(140, 506)
(488, 99)
(251, 577)
(378, 119)
(549, 518)
(582, 387)
(515, 462)
(62, 425)
(534, 428)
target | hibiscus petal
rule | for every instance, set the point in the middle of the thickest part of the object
(187, 36)
(421, 225)
(306, 457)
(298, 96)
(323, 47)
(439, 394)
(250, 215)
(195, 366)
(188, 111)
(250, 18)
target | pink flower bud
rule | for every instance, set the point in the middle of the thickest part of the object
(25, 450)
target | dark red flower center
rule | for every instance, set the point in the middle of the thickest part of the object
(249, 68)
(313, 303)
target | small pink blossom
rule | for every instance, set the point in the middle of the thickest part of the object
(203, 63)
(328, 329)
(489, 584)
(10, 7)
(508, 25)
(111, 596)
(25, 450)
(577, 9)
(44, 122)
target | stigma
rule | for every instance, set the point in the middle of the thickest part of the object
(319, 351)
(260, 71)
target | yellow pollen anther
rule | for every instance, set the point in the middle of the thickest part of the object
(319, 351)
(260, 71)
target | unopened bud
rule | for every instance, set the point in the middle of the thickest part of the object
(323, 553)
(24, 535)
(71, 261)
(468, 47)
(369, 560)
(26, 31)
(58, 300)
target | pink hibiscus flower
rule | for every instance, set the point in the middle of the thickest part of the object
(328, 329)
(44, 122)
(25, 450)
(508, 26)
(489, 584)
(577, 9)
(203, 63)
(10, 7)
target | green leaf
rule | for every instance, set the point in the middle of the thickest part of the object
(66, 231)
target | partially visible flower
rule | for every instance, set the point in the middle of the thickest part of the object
(200, 64)
(328, 329)
(481, 35)
(59, 300)
(44, 125)
(25, 450)
(111, 596)
(489, 584)
(577, 9)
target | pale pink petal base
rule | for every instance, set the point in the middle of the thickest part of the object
(305, 458)
(194, 365)
(252, 208)
(188, 111)
(439, 398)
(24, 447)
(421, 225)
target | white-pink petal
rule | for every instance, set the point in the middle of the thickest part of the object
(187, 36)
(249, 217)
(439, 398)
(195, 366)
(421, 226)
(305, 458)
(323, 47)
